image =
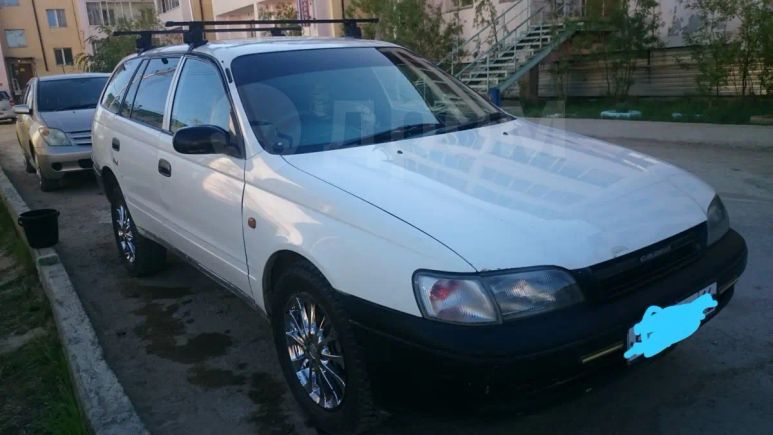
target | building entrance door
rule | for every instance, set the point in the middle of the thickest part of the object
(21, 73)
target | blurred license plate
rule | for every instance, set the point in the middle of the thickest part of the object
(683, 315)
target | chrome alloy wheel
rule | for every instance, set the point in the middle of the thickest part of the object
(124, 233)
(315, 352)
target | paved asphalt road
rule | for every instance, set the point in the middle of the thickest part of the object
(196, 360)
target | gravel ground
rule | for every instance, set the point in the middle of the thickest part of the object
(196, 360)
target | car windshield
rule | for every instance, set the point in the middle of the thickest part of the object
(4, 96)
(69, 94)
(315, 100)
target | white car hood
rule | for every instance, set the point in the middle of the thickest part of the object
(518, 194)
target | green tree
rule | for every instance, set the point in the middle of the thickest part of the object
(727, 56)
(415, 24)
(749, 43)
(486, 15)
(710, 43)
(284, 11)
(633, 28)
(766, 49)
(108, 50)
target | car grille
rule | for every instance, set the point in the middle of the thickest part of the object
(622, 275)
(81, 138)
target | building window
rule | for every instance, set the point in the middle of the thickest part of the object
(9, 3)
(56, 18)
(110, 14)
(63, 56)
(168, 5)
(100, 15)
(15, 38)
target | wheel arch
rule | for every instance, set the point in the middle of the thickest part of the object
(110, 182)
(276, 263)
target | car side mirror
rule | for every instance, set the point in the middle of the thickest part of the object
(204, 139)
(22, 109)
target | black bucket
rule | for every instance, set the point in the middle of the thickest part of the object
(41, 227)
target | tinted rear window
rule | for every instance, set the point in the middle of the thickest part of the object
(69, 94)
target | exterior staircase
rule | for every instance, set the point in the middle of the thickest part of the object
(504, 51)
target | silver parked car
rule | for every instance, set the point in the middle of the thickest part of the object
(54, 125)
(6, 107)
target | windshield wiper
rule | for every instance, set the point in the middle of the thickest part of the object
(491, 118)
(398, 133)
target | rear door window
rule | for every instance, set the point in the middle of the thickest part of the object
(150, 101)
(116, 88)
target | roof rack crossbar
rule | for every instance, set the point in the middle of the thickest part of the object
(145, 37)
(193, 31)
(351, 28)
(191, 36)
(268, 22)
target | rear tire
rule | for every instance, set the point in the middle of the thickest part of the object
(322, 363)
(140, 255)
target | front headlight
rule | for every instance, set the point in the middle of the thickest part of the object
(489, 298)
(524, 294)
(717, 220)
(53, 137)
(453, 299)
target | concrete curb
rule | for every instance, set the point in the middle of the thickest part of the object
(741, 136)
(102, 398)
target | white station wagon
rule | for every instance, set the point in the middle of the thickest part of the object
(395, 227)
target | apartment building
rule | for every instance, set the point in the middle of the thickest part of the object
(184, 10)
(44, 37)
(98, 14)
(39, 37)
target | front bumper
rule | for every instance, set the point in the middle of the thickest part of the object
(56, 162)
(532, 353)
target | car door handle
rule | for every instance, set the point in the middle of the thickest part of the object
(116, 144)
(164, 168)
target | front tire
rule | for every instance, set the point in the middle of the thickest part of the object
(320, 358)
(140, 255)
(28, 166)
(48, 185)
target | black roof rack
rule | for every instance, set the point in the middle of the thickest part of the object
(193, 31)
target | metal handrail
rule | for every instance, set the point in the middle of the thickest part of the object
(496, 48)
(459, 49)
